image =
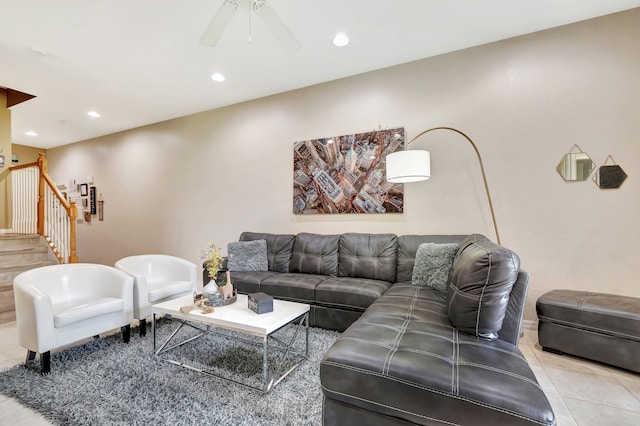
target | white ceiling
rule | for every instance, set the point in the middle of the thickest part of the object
(139, 61)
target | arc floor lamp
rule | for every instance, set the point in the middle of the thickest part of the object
(415, 165)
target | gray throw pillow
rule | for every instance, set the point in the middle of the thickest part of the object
(245, 256)
(433, 265)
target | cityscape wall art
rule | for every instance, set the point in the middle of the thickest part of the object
(346, 174)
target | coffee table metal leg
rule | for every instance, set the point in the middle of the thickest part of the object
(265, 364)
(153, 331)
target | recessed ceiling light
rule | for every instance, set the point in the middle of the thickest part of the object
(93, 114)
(340, 40)
(30, 133)
(217, 76)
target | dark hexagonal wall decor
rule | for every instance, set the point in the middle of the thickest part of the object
(609, 176)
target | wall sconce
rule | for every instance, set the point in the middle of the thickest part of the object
(14, 158)
(415, 165)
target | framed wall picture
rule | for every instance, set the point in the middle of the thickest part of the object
(347, 174)
(1, 160)
(92, 199)
(84, 189)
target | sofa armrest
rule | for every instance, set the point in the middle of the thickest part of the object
(512, 323)
(34, 316)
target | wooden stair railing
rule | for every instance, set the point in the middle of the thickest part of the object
(39, 207)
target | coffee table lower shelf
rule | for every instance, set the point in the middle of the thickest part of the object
(287, 361)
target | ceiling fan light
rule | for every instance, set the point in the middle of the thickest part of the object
(219, 23)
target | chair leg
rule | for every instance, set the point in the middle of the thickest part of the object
(126, 333)
(143, 327)
(31, 355)
(45, 363)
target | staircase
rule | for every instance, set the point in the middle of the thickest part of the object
(19, 253)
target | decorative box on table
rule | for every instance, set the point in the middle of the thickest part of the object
(260, 303)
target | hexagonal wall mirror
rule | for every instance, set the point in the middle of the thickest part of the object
(609, 176)
(575, 166)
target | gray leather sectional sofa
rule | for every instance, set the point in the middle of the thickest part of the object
(409, 354)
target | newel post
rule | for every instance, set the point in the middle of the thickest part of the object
(42, 165)
(73, 215)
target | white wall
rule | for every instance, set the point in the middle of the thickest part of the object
(173, 187)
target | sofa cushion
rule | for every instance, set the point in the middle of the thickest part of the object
(408, 246)
(433, 265)
(245, 256)
(81, 309)
(481, 282)
(249, 282)
(403, 359)
(295, 287)
(350, 293)
(279, 248)
(370, 256)
(315, 254)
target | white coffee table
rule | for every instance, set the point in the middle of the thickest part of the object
(239, 318)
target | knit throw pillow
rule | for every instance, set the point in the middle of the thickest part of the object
(247, 256)
(433, 265)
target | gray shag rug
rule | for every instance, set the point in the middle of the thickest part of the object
(108, 382)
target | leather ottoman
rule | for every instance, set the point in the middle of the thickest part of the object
(596, 326)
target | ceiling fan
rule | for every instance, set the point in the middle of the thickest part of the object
(263, 9)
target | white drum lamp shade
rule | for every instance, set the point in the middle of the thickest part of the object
(415, 165)
(408, 166)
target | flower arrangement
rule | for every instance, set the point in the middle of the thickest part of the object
(212, 256)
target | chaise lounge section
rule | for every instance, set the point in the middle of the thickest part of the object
(410, 354)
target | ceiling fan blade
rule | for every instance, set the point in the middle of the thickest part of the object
(275, 25)
(219, 23)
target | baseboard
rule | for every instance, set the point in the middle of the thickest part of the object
(530, 324)
(6, 231)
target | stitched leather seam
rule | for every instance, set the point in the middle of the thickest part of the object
(508, 352)
(588, 328)
(426, 353)
(454, 370)
(484, 287)
(373, 342)
(594, 311)
(379, 303)
(500, 371)
(416, 385)
(342, 305)
(389, 407)
(387, 361)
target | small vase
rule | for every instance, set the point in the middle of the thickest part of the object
(210, 288)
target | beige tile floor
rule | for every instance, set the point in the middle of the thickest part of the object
(581, 392)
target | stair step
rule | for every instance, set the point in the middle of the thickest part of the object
(28, 255)
(8, 273)
(7, 307)
(10, 242)
(19, 253)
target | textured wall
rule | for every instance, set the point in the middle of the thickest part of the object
(174, 186)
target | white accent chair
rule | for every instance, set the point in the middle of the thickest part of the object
(157, 278)
(63, 304)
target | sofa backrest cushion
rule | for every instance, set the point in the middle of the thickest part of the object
(371, 256)
(279, 248)
(315, 254)
(481, 282)
(408, 246)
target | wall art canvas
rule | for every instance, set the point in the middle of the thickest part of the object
(346, 174)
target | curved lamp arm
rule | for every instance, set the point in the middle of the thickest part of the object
(484, 177)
